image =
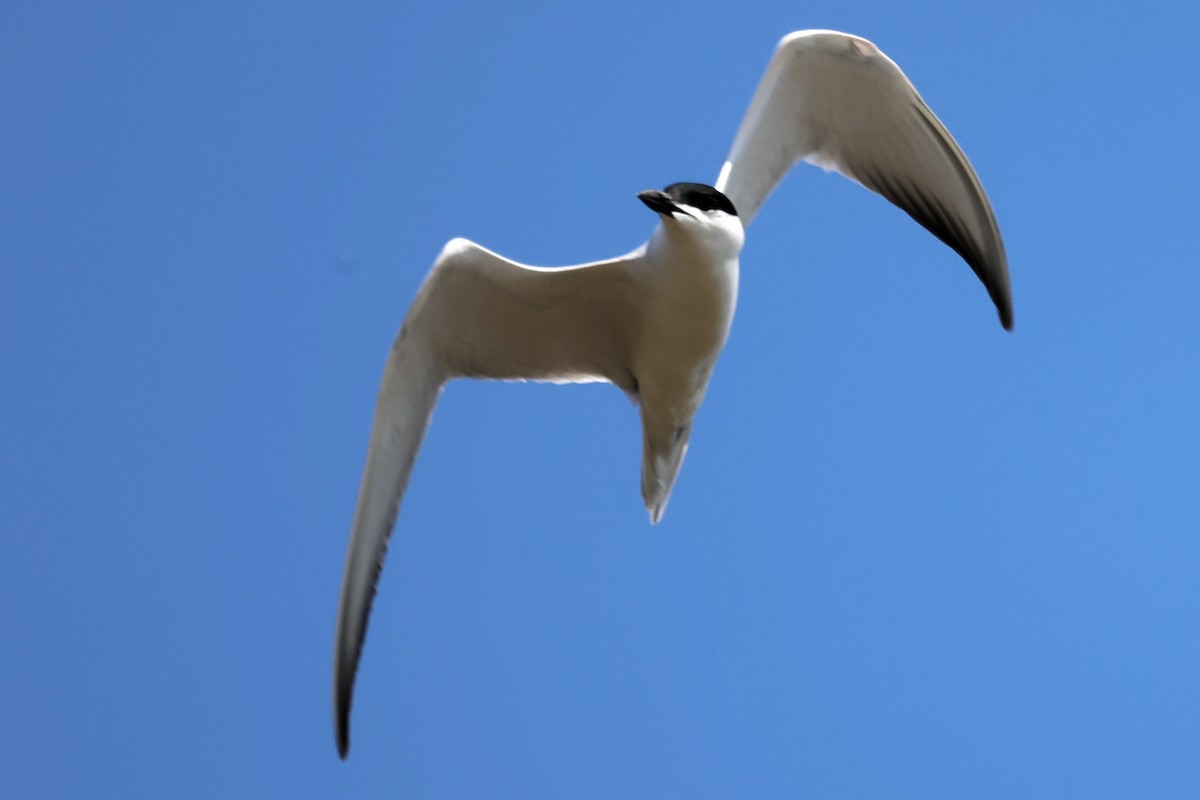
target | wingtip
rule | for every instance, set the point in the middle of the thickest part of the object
(994, 276)
(342, 734)
(343, 694)
(1004, 310)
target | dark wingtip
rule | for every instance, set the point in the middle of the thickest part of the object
(1002, 299)
(341, 716)
(985, 257)
(347, 652)
(343, 737)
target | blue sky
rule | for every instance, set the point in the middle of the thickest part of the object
(910, 555)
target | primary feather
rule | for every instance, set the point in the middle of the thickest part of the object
(838, 102)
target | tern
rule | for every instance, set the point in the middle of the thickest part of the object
(653, 322)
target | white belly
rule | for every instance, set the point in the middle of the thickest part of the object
(686, 324)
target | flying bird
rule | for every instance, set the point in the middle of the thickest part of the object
(653, 322)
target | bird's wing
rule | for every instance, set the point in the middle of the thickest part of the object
(838, 102)
(477, 315)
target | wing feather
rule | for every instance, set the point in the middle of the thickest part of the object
(838, 102)
(494, 318)
(412, 381)
(477, 315)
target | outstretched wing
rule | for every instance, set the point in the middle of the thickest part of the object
(478, 315)
(838, 102)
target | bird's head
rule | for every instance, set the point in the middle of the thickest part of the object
(697, 210)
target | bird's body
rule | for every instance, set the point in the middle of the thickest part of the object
(654, 322)
(689, 277)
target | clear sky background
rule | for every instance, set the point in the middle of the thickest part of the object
(910, 555)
